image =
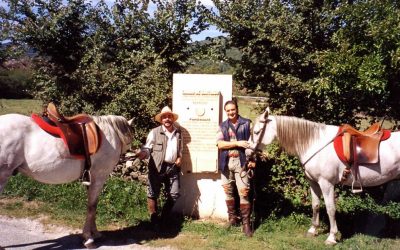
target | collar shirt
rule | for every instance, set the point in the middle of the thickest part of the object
(171, 150)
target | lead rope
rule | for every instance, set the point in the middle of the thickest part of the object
(250, 174)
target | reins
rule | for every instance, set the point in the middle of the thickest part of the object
(319, 150)
(249, 172)
(303, 164)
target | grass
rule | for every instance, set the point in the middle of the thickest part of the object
(274, 233)
(249, 108)
(20, 106)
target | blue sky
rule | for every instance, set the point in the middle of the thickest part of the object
(211, 32)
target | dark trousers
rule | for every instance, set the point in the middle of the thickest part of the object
(169, 177)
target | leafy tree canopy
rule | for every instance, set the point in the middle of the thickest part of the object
(315, 58)
(100, 59)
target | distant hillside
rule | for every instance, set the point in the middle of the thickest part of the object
(210, 66)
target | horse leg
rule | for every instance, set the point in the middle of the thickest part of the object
(316, 197)
(5, 173)
(90, 232)
(329, 198)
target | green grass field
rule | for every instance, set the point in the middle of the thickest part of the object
(248, 108)
(20, 106)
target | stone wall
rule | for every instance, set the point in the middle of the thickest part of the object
(131, 168)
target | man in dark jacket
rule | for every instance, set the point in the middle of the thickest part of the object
(164, 150)
(232, 141)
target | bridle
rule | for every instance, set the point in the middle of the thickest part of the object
(261, 132)
(249, 171)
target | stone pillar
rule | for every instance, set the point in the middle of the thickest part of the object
(199, 99)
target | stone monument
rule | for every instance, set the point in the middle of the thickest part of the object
(199, 99)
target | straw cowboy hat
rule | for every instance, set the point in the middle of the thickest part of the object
(165, 110)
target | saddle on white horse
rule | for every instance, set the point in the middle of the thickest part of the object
(79, 133)
(355, 147)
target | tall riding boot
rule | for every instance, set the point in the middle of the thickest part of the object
(152, 208)
(166, 210)
(232, 217)
(246, 211)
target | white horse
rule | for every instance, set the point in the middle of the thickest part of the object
(25, 147)
(312, 143)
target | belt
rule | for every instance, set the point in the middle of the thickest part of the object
(168, 164)
(171, 168)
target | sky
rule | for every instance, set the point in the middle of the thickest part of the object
(211, 32)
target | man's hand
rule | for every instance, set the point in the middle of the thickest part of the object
(251, 164)
(243, 144)
(178, 162)
(140, 154)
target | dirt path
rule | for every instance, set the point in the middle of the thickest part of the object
(31, 234)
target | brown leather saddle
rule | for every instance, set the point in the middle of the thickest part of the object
(361, 147)
(80, 131)
(354, 147)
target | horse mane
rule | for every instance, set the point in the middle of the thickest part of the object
(296, 135)
(118, 123)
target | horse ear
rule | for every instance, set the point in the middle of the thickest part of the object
(130, 122)
(266, 113)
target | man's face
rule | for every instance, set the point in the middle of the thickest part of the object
(231, 111)
(167, 120)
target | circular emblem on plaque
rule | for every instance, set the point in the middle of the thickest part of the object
(200, 111)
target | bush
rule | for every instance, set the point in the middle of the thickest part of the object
(15, 83)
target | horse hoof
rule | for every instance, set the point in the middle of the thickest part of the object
(312, 232)
(311, 235)
(330, 243)
(89, 244)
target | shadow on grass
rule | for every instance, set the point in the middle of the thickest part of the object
(129, 236)
(143, 232)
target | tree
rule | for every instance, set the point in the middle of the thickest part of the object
(101, 59)
(360, 72)
(314, 58)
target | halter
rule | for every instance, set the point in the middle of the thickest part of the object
(262, 131)
(249, 171)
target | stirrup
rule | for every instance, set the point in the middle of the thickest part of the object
(356, 190)
(86, 178)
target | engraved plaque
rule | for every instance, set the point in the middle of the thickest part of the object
(199, 119)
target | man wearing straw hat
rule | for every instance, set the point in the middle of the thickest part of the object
(164, 150)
